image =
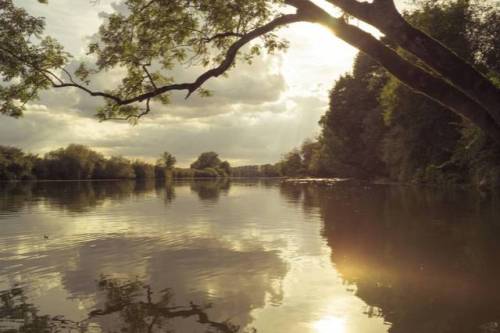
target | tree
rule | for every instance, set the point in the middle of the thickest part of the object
(72, 162)
(118, 167)
(143, 170)
(15, 164)
(151, 37)
(207, 160)
(291, 164)
(225, 167)
(353, 126)
(167, 160)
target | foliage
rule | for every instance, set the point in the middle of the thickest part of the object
(256, 171)
(119, 168)
(291, 165)
(75, 162)
(353, 125)
(209, 164)
(26, 56)
(167, 160)
(14, 164)
(143, 170)
(149, 41)
(78, 162)
(378, 127)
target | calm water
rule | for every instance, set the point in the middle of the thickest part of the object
(247, 257)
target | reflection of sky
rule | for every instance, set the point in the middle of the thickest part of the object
(248, 249)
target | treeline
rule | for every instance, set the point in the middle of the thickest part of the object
(77, 162)
(376, 127)
(256, 171)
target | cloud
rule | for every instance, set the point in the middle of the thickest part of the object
(257, 113)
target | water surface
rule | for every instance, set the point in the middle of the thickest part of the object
(247, 256)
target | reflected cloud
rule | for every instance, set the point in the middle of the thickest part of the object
(136, 306)
(239, 274)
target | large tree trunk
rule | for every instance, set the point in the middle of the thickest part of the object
(412, 75)
(383, 15)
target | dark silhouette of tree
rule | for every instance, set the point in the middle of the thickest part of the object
(15, 164)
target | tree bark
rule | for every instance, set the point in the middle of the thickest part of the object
(383, 15)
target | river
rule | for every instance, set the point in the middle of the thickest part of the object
(247, 256)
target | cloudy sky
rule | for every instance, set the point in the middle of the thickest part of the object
(257, 113)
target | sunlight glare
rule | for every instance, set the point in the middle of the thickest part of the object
(331, 325)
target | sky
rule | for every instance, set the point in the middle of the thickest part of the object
(258, 113)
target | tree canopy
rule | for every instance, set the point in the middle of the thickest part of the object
(378, 128)
(149, 38)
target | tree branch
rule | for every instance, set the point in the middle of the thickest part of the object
(413, 76)
(383, 15)
(193, 86)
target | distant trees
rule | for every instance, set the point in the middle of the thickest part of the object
(209, 164)
(75, 162)
(206, 160)
(168, 160)
(292, 165)
(15, 164)
(118, 167)
(256, 171)
(165, 165)
(78, 162)
(143, 170)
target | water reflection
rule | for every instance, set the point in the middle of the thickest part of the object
(280, 257)
(79, 197)
(210, 190)
(424, 260)
(122, 229)
(127, 306)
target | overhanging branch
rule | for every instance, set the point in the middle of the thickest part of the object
(191, 87)
(412, 75)
(383, 15)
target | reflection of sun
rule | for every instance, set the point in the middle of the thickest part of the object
(331, 325)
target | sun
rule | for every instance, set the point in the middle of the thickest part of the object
(331, 325)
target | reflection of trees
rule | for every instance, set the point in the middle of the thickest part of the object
(72, 196)
(13, 196)
(426, 261)
(210, 190)
(166, 189)
(80, 196)
(291, 192)
(201, 270)
(133, 302)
